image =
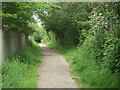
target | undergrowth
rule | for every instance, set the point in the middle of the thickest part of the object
(21, 70)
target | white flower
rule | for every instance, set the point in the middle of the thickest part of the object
(100, 13)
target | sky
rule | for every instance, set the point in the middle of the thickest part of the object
(37, 19)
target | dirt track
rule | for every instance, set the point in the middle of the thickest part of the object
(53, 72)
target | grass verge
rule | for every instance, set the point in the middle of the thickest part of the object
(21, 70)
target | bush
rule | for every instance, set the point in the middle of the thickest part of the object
(21, 70)
(92, 73)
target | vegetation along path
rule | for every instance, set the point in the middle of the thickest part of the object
(53, 72)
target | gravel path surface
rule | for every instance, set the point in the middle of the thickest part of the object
(54, 72)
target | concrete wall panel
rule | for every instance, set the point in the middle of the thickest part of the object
(12, 42)
(1, 54)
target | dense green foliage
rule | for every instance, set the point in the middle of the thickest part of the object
(18, 16)
(67, 21)
(21, 71)
(94, 28)
(41, 36)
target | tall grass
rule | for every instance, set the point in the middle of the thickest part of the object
(21, 70)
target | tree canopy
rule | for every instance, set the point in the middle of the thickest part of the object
(17, 16)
